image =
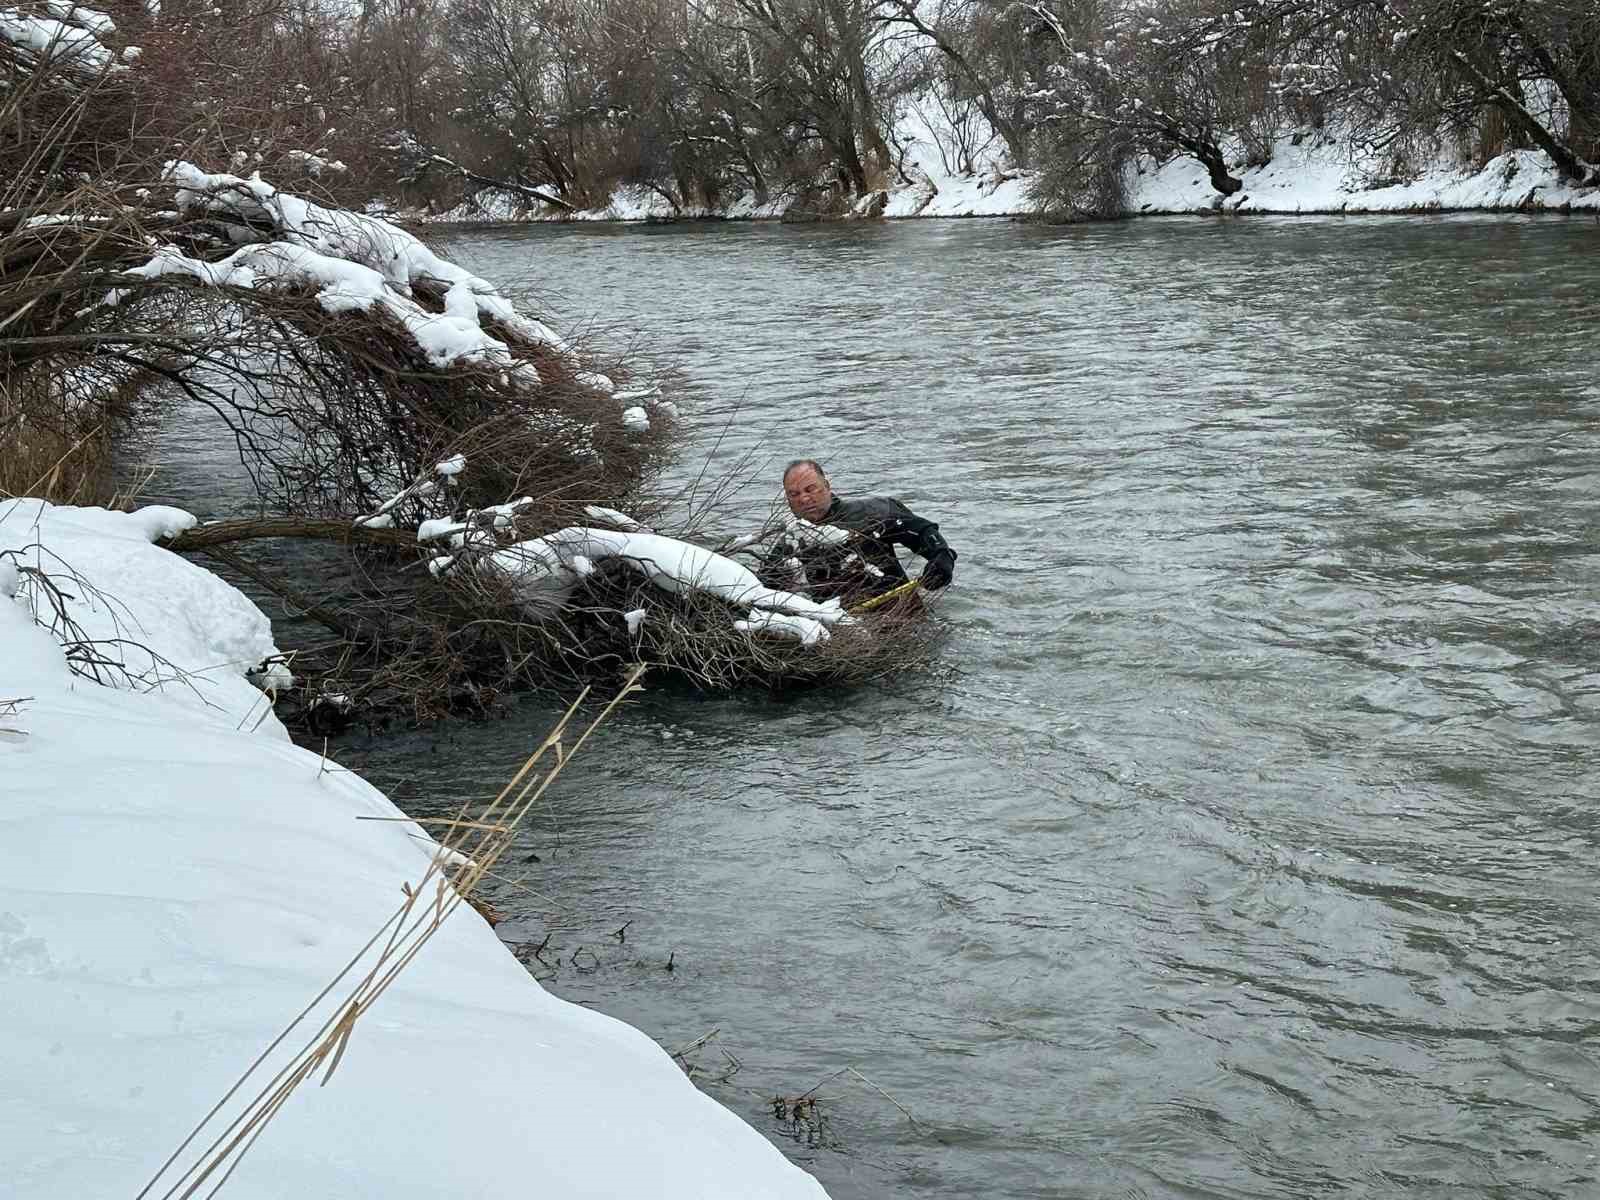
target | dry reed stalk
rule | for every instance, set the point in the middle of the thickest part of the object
(427, 905)
(48, 455)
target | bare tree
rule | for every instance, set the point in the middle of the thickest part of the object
(816, 59)
(985, 58)
(1536, 63)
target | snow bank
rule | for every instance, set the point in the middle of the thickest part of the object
(1317, 175)
(989, 193)
(1321, 175)
(174, 888)
(151, 621)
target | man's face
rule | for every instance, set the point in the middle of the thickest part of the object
(808, 493)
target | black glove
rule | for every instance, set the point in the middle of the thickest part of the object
(939, 571)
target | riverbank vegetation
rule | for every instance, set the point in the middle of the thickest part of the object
(565, 101)
(810, 106)
(339, 353)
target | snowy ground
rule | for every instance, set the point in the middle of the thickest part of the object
(1318, 175)
(178, 881)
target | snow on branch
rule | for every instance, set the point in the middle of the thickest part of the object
(420, 488)
(353, 263)
(543, 571)
(69, 37)
(670, 564)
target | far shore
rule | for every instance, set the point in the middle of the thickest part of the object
(713, 218)
(1309, 179)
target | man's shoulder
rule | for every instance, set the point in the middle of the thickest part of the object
(866, 510)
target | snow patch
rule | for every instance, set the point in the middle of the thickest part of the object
(154, 621)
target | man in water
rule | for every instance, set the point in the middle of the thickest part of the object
(859, 561)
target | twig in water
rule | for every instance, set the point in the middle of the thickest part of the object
(807, 1096)
(690, 1047)
(915, 1124)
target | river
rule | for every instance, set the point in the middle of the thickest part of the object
(1244, 841)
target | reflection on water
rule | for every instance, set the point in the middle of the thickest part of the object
(1248, 847)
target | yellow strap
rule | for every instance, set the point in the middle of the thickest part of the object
(905, 589)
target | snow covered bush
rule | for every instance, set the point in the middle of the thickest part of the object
(341, 354)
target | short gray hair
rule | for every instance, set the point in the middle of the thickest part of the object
(806, 462)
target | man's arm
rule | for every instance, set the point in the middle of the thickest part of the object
(922, 537)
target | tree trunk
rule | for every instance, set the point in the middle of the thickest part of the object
(218, 533)
(1217, 169)
(1569, 165)
(1204, 148)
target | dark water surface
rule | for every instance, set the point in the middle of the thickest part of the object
(1248, 846)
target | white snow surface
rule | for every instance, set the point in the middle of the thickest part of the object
(610, 516)
(1324, 175)
(74, 39)
(174, 889)
(181, 633)
(315, 164)
(801, 532)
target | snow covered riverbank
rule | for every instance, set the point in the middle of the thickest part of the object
(1318, 175)
(178, 881)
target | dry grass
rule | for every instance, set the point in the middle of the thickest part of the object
(465, 857)
(52, 454)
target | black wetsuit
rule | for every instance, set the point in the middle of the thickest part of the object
(880, 524)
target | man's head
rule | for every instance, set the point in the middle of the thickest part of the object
(807, 489)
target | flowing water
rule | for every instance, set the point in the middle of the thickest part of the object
(1246, 844)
